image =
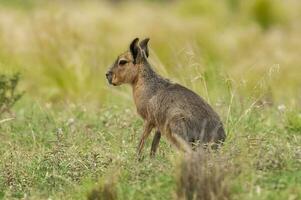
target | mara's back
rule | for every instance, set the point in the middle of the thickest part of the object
(187, 114)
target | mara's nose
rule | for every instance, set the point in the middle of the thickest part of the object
(109, 73)
(109, 76)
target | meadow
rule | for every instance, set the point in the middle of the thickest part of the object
(73, 136)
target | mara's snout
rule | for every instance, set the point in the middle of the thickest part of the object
(109, 76)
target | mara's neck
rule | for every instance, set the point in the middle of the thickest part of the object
(146, 79)
(144, 87)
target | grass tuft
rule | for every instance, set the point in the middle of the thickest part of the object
(106, 190)
(203, 176)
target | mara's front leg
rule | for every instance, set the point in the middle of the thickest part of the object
(146, 132)
(155, 143)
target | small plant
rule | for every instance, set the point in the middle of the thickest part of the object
(203, 177)
(8, 94)
(293, 122)
(104, 191)
(272, 157)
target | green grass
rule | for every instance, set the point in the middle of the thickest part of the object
(44, 154)
(64, 151)
(71, 133)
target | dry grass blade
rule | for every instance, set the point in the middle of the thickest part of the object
(6, 120)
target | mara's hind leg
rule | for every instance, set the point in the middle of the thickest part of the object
(155, 143)
(181, 144)
(176, 133)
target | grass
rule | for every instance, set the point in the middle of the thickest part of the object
(55, 152)
(50, 153)
(71, 136)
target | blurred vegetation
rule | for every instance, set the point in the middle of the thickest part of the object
(74, 136)
(63, 48)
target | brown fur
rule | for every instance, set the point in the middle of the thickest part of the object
(175, 111)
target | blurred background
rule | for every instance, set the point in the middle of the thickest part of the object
(62, 49)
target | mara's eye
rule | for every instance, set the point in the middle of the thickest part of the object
(122, 62)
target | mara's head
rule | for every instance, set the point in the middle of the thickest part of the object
(125, 69)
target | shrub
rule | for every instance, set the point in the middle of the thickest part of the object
(8, 94)
(268, 13)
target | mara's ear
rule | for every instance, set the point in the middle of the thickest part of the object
(134, 48)
(144, 47)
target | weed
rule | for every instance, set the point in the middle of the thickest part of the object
(8, 94)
